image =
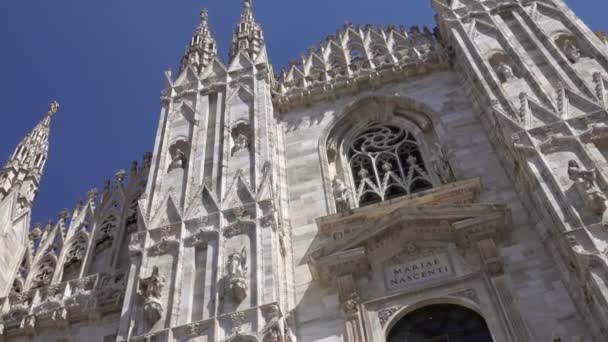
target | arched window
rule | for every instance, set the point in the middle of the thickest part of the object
(441, 323)
(385, 163)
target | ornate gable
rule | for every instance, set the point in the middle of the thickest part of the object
(429, 222)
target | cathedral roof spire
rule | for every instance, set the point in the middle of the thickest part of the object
(248, 36)
(202, 48)
(30, 155)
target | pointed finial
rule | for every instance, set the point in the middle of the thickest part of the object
(63, 214)
(120, 176)
(248, 3)
(53, 108)
(92, 194)
(204, 15)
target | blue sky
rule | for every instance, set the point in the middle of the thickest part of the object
(103, 60)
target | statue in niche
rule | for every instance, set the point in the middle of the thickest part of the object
(241, 143)
(585, 182)
(505, 71)
(237, 273)
(442, 166)
(194, 59)
(151, 290)
(179, 160)
(341, 197)
(572, 52)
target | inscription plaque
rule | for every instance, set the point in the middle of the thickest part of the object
(418, 271)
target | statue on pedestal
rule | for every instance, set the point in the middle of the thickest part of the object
(341, 197)
(237, 273)
(585, 182)
(151, 290)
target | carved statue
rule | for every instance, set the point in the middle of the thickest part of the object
(194, 59)
(341, 197)
(179, 160)
(241, 143)
(152, 286)
(585, 182)
(236, 264)
(151, 290)
(237, 273)
(53, 108)
(442, 166)
(572, 52)
(505, 71)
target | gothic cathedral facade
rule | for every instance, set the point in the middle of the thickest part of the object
(391, 185)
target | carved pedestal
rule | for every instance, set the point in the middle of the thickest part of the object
(153, 310)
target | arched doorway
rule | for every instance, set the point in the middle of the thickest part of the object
(441, 323)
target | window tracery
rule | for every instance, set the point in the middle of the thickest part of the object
(76, 253)
(385, 162)
(106, 234)
(44, 275)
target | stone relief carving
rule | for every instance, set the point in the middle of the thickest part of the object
(342, 197)
(236, 274)
(386, 314)
(585, 183)
(194, 330)
(151, 290)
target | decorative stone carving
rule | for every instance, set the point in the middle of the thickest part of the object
(505, 71)
(342, 197)
(386, 314)
(237, 318)
(151, 290)
(237, 273)
(585, 183)
(272, 330)
(179, 160)
(202, 236)
(194, 330)
(241, 143)
(571, 51)
(350, 304)
(166, 244)
(53, 108)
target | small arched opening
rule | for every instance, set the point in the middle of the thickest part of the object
(441, 323)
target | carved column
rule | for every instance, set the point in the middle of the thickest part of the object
(349, 301)
(494, 270)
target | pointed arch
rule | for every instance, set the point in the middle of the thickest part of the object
(44, 271)
(74, 255)
(378, 175)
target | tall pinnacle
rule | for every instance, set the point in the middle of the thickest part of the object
(30, 155)
(248, 36)
(202, 48)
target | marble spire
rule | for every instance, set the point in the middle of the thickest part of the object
(202, 48)
(248, 36)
